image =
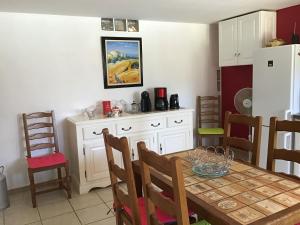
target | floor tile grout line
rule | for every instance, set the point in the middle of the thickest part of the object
(56, 215)
(100, 220)
(39, 214)
(2, 212)
(99, 196)
(3, 217)
(96, 220)
(75, 212)
(102, 198)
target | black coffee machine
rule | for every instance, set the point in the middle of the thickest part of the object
(174, 102)
(145, 102)
(161, 100)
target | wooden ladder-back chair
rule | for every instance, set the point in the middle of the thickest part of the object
(122, 199)
(274, 152)
(176, 207)
(243, 143)
(40, 134)
(128, 208)
(208, 118)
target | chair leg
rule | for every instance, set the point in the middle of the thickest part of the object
(221, 141)
(67, 178)
(199, 141)
(32, 188)
(59, 177)
(119, 220)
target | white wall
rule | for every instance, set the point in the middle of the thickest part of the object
(54, 62)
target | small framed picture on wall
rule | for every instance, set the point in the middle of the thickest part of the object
(120, 25)
(133, 25)
(107, 24)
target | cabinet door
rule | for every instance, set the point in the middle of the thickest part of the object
(228, 42)
(96, 162)
(174, 141)
(248, 38)
(148, 138)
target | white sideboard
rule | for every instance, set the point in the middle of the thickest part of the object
(163, 132)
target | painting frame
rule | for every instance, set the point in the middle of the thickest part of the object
(112, 62)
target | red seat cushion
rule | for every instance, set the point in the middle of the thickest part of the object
(161, 216)
(46, 161)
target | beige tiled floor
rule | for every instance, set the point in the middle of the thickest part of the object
(55, 209)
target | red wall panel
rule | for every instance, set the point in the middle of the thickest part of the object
(285, 22)
(233, 79)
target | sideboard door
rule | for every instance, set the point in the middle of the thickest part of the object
(148, 138)
(96, 162)
(174, 141)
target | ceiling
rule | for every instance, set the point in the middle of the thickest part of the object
(198, 11)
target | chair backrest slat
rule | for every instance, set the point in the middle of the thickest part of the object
(208, 110)
(38, 115)
(172, 167)
(288, 155)
(120, 173)
(210, 121)
(242, 143)
(242, 119)
(38, 125)
(156, 162)
(40, 136)
(35, 130)
(210, 113)
(41, 146)
(165, 203)
(286, 125)
(274, 152)
(122, 199)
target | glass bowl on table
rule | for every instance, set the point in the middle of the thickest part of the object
(212, 161)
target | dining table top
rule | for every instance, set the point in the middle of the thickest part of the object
(246, 195)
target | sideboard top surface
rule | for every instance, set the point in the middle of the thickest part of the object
(84, 120)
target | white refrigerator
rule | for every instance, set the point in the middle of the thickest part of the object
(276, 92)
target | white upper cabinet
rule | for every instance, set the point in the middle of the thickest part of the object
(240, 37)
(228, 39)
(248, 38)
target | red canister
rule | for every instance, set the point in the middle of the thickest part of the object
(106, 107)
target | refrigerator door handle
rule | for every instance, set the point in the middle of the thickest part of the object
(287, 143)
(288, 114)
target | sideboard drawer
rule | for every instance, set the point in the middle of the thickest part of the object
(126, 127)
(140, 125)
(177, 120)
(154, 124)
(95, 131)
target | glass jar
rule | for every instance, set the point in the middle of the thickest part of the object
(134, 107)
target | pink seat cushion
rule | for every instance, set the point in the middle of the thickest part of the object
(46, 161)
(161, 216)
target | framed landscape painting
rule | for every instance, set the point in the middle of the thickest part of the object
(122, 62)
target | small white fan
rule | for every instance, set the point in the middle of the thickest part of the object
(243, 101)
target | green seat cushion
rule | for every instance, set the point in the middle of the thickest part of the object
(210, 131)
(202, 222)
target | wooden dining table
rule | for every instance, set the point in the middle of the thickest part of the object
(246, 195)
